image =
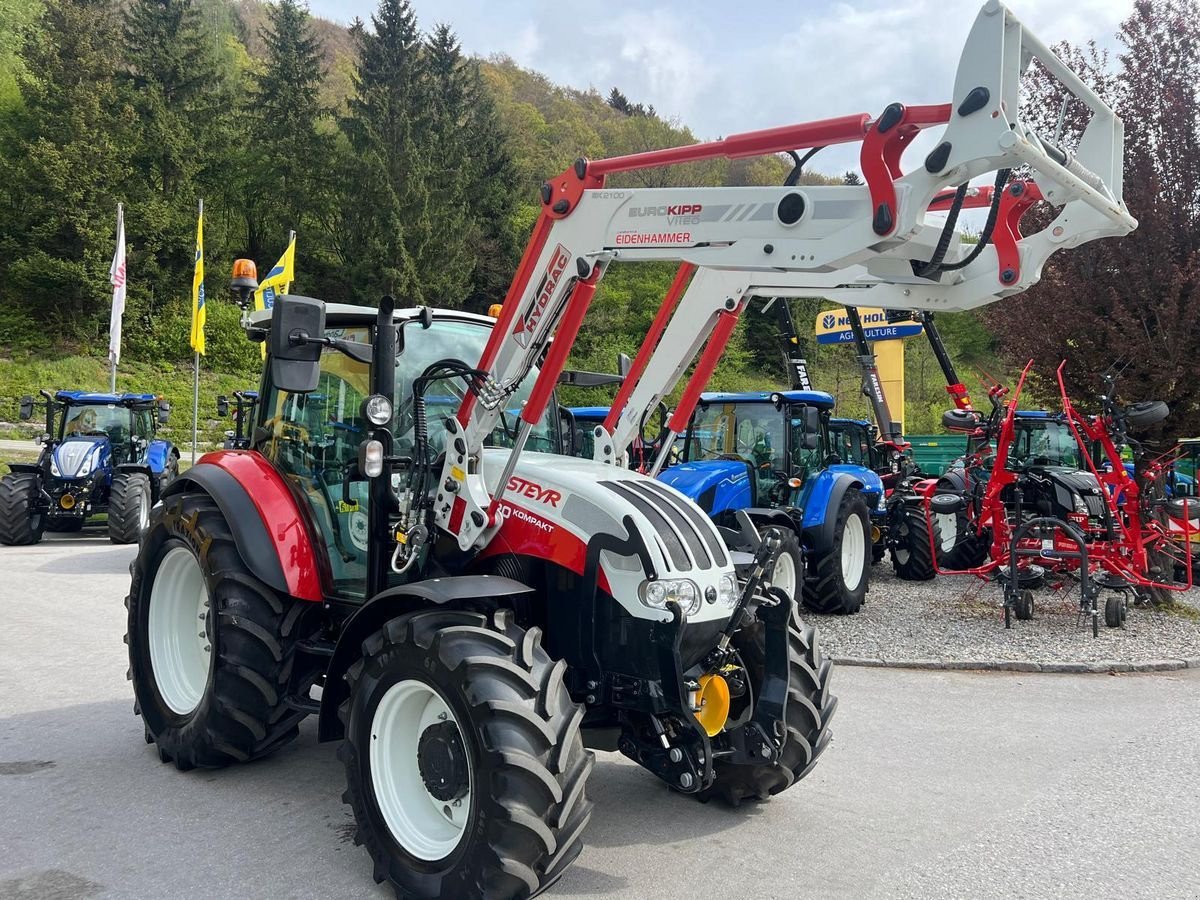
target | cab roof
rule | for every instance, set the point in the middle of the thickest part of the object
(843, 421)
(350, 314)
(819, 399)
(589, 412)
(92, 398)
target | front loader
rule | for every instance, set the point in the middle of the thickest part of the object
(465, 608)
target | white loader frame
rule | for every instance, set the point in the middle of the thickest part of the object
(853, 244)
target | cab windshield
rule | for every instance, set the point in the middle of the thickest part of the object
(109, 420)
(1044, 442)
(751, 431)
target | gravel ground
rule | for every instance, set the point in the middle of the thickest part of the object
(958, 618)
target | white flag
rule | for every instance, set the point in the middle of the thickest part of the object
(116, 274)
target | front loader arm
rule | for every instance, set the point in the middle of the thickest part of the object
(853, 244)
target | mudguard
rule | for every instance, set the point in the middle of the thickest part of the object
(158, 456)
(716, 485)
(372, 616)
(821, 501)
(765, 516)
(25, 468)
(268, 527)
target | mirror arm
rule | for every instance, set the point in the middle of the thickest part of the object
(353, 349)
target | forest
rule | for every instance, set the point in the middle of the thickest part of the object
(407, 167)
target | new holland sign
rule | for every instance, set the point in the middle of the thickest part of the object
(833, 326)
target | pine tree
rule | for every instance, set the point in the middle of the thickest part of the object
(290, 148)
(386, 211)
(65, 151)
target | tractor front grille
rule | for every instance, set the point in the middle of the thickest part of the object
(690, 540)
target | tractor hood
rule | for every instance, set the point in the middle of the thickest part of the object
(554, 507)
(716, 485)
(79, 456)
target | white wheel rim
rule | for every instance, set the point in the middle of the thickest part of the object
(783, 576)
(143, 512)
(854, 547)
(426, 827)
(180, 649)
(948, 529)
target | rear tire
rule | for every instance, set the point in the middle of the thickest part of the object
(19, 524)
(227, 703)
(509, 804)
(128, 507)
(838, 579)
(969, 550)
(912, 547)
(809, 710)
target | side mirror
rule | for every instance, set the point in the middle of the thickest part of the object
(624, 364)
(947, 504)
(297, 325)
(25, 409)
(222, 405)
(567, 425)
(42, 439)
(812, 427)
(164, 412)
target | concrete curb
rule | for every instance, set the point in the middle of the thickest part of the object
(1101, 667)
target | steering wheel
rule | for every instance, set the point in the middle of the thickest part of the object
(96, 432)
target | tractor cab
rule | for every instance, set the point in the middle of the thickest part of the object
(856, 441)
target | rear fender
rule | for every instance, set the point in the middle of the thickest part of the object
(384, 607)
(765, 517)
(25, 468)
(821, 503)
(270, 532)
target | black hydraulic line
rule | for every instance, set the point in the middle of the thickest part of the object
(793, 177)
(985, 236)
(931, 268)
(872, 386)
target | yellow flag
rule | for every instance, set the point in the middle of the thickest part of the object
(279, 279)
(198, 310)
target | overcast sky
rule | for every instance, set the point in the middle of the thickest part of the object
(723, 67)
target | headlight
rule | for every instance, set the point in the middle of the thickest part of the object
(377, 409)
(54, 469)
(676, 590)
(1080, 506)
(727, 593)
(881, 506)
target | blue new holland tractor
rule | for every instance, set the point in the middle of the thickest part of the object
(99, 454)
(770, 455)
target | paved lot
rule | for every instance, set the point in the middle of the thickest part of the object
(937, 785)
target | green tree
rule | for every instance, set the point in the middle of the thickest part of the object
(290, 147)
(386, 214)
(65, 151)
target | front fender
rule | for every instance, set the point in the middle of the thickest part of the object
(158, 456)
(385, 606)
(822, 499)
(269, 530)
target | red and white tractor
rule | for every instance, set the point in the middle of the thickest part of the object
(403, 552)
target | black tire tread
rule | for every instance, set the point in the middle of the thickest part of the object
(534, 830)
(245, 716)
(808, 713)
(18, 491)
(823, 582)
(124, 506)
(910, 526)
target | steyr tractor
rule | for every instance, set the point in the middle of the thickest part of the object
(769, 456)
(493, 606)
(99, 454)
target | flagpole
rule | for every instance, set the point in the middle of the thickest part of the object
(196, 384)
(112, 358)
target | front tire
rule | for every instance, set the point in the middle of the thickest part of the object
(808, 712)
(464, 762)
(128, 507)
(838, 579)
(911, 544)
(788, 571)
(210, 646)
(20, 523)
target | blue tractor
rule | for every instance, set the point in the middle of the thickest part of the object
(99, 454)
(770, 455)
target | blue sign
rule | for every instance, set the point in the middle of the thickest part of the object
(833, 327)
